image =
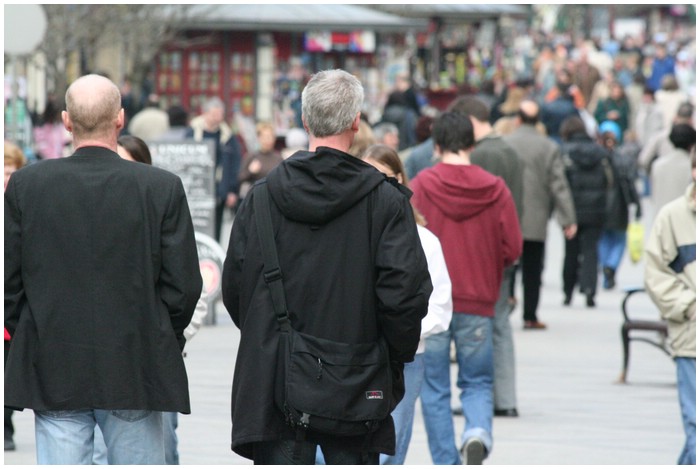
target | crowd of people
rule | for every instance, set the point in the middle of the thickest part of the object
(582, 138)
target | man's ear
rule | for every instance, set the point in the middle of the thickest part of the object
(303, 121)
(120, 119)
(66, 121)
(356, 123)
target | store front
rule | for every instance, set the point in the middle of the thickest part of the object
(258, 68)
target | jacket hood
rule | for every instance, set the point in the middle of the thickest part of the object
(316, 187)
(461, 192)
(584, 152)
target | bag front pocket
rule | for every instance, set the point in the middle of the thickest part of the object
(330, 379)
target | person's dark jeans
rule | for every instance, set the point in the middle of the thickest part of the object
(532, 263)
(581, 260)
(281, 452)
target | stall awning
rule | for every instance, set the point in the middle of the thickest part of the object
(298, 17)
(455, 12)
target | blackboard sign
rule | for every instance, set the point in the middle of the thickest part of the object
(194, 163)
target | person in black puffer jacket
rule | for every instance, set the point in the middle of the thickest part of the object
(589, 174)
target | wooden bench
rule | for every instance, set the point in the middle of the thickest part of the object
(645, 326)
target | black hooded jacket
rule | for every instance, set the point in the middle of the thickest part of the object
(353, 268)
(590, 176)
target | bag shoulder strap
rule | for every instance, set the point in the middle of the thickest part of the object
(272, 273)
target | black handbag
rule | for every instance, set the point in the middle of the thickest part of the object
(327, 386)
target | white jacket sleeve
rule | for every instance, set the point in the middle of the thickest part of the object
(440, 301)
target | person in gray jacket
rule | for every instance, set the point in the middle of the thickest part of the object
(670, 279)
(544, 186)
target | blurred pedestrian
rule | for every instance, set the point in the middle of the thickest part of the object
(50, 136)
(648, 118)
(669, 173)
(362, 276)
(295, 140)
(622, 194)
(492, 153)
(364, 138)
(259, 164)
(178, 120)
(14, 160)
(117, 240)
(133, 148)
(210, 125)
(439, 314)
(662, 65)
(670, 278)
(615, 108)
(590, 177)
(545, 191)
(402, 110)
(559, 106)
(670, 98)
(150, 122)
(386, 133)
(659, 143)
(473, 215)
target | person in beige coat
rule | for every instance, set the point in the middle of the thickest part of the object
(544, 187)
(670, 280)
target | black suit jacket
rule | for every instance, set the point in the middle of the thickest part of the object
(101, 278)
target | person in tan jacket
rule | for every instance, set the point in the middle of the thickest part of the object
(670, 280)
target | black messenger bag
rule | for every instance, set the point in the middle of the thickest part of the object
(322, 385)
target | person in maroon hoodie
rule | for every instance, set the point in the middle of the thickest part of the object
(473, 214)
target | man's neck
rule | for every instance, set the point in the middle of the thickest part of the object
(461, 158)
(482, 130)
(95, 143)
(340, 142)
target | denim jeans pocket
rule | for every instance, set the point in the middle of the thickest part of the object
(131, 415)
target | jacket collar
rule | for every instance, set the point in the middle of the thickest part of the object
(95, 152)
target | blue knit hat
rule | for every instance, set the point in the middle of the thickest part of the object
(610, 126)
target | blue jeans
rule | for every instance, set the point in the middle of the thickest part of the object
(685, 370)
(473, 337)
(172, 457)
(131, 436)
(611, 248)
(413, 373)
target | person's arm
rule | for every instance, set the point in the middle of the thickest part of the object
(403, 283)
(232, 276)
(200, 312)
(512, 241)
(440, 302)
(674, 298)
(180, 280)
(561, 195)
(14, 287)
(231, 160)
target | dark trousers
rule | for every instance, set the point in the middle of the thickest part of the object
(581, 260)
(532, 264)
(218, 219)
(9, 428)
(281, 452)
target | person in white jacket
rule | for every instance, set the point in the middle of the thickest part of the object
(387, 161)
(670, 279)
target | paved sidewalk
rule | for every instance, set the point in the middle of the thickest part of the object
(571, 409)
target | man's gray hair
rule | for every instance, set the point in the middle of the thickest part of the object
(212, 103)
(383, 129)
(330, 102)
